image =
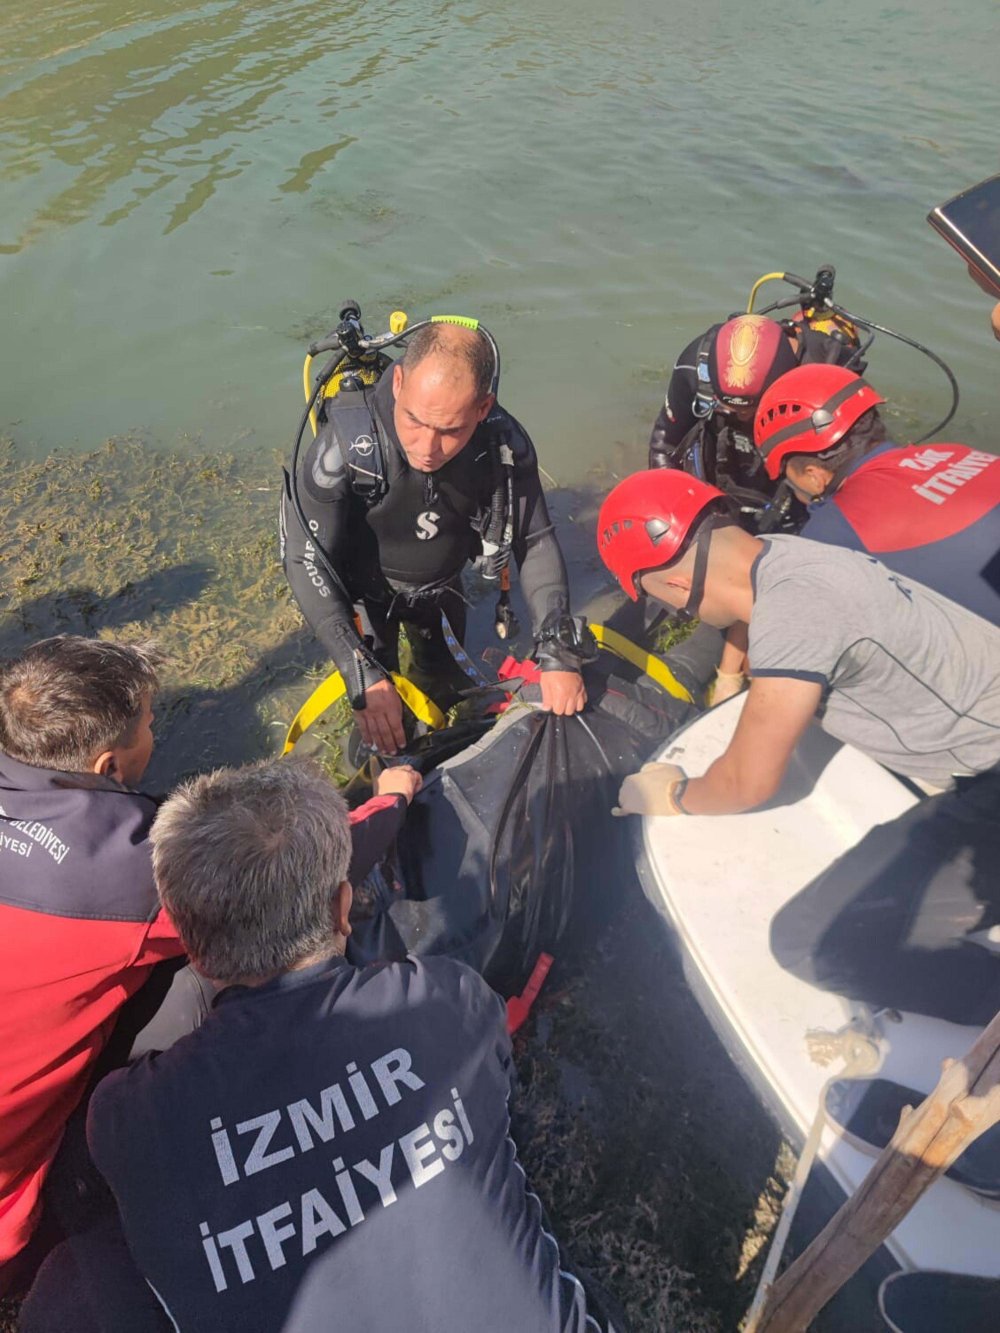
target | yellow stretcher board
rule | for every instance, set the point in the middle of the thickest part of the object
(425, 710)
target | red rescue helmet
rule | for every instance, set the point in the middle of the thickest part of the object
(808, 411)
(748, 353)
(647, 520)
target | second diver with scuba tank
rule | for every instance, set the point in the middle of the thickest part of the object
(414, 473)
(705, 426)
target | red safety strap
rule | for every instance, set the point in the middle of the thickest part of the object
(519, 1006)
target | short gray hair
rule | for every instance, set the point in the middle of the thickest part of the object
(246, 863)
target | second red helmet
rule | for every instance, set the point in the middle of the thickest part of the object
(808, 411)
(646, 521)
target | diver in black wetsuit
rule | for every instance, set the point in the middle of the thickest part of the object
(400, 532)
(717, 381)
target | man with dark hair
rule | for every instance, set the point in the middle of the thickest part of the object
(401, 489)
(899, 671)
(80, 924)
(352, 1119)
(76, 704)
(928, 511)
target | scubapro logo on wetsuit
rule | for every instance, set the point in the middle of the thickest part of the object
(427, 525)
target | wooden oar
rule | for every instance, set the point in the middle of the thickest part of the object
(965, 1103)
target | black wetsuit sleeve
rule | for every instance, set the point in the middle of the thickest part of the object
(536, 549)
(676, 416)
(326, 497)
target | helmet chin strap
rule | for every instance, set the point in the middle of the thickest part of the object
(838, 474)
(851, 456)
(702, 543)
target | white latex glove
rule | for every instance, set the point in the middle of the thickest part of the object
(646, 792)
(726, 686)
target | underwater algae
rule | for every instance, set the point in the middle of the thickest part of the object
(130, 542)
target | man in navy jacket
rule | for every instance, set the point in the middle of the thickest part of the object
(348, 1123)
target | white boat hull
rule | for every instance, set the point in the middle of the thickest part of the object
(719, 881)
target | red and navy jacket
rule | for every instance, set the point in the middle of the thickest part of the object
(929, 511)
(80, 929)
(374, 827)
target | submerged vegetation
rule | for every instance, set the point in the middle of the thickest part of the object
(623, 1085)
(128, 542)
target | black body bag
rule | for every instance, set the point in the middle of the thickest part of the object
(511, 842)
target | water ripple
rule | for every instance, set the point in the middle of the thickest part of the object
(186, 179)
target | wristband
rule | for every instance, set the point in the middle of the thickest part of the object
(675, 795)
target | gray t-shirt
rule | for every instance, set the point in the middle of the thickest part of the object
(909, 677)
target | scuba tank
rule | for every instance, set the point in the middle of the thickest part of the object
(819, 312)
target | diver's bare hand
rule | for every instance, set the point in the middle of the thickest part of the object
(995, 321)
(563, 692)
(400, 780)
(381, 720)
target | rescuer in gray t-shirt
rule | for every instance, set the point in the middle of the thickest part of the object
(884, 664)
(908, 676)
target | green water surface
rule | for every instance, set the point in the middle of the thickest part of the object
(190, 189)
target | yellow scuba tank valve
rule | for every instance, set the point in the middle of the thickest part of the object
(815, 314)
(767, 277)
(829, 322)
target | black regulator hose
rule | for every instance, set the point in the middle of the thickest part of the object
(807, 291)
(910, 342)
(325, 375)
